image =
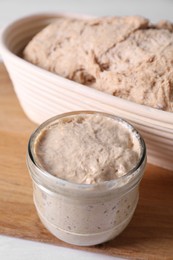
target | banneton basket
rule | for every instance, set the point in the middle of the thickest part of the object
(43, 94)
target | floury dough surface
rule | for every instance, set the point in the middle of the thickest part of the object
(124, 56)
(87, 149)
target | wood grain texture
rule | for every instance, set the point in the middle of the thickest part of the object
(148, 236)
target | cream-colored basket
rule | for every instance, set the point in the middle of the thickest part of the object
(43, 94)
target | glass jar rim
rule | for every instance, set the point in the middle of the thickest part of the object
(62, 182)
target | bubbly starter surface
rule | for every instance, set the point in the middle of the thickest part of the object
(87, 149)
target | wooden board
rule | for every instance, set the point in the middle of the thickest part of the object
(148, 236)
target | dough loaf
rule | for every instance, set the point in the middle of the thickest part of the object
(126, 57)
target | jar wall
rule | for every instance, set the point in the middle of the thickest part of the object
(85, 217)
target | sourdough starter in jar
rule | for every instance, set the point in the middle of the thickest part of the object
(91, 166)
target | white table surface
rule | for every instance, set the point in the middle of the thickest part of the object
(16, 249)
(19, 249)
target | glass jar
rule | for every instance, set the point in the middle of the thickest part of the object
(85, 214)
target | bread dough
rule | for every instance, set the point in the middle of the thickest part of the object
(123, 56)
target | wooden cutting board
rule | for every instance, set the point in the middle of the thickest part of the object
(148, 236)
